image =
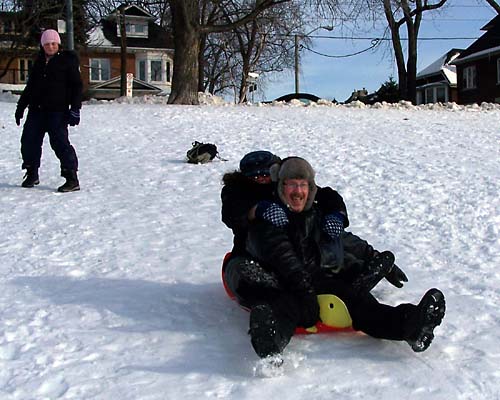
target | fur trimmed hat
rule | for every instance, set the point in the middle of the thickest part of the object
(50, 36)
(294, 168)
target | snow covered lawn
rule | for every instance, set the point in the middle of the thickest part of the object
(114, 292)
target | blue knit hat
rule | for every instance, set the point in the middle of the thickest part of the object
(257, 163)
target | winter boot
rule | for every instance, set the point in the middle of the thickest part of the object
(30, 178)
(429, 314)
(376, 269)
(264, 332)
(71, 184)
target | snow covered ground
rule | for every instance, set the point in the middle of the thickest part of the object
(114, 292)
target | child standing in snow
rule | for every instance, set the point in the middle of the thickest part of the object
(53, 94)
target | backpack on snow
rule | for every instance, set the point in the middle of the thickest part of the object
(201, 153)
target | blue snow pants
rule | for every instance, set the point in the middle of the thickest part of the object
(56, 125)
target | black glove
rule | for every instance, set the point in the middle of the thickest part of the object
(396, 277)
(73, 117)
(309, 310)
(19, 115)
(330, 201)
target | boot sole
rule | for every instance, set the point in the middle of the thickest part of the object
(433, 308)
(30, 185)
(75, 189)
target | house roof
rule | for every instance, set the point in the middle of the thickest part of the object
(130, 10)
(105, 35)
(114, 83)
(442, 67)
(488, 43)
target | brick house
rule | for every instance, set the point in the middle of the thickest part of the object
(438, 81)
(149, 55)
(16, 53)
(478, 67)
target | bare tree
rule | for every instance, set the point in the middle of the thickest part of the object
(263, 45)
(399, 14)
(187, 30)
(26, 19)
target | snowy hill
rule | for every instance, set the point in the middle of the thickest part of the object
(114, 292)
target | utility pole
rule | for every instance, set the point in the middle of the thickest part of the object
(297, 37)
(69, 25)
(296, 63)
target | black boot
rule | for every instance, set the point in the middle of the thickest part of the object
(429, 314)
(265, 333)
(30, 178)
(376, 269)
(71, 184)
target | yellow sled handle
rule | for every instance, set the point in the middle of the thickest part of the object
(333, 313)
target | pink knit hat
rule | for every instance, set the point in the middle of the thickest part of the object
(50, 36)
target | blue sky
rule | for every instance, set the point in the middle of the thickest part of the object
(337, 77)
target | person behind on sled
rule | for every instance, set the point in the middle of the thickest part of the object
(358, 262)
(292, 238)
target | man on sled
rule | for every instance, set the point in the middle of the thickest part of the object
(297, 250)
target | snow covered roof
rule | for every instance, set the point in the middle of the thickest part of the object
(442, 66)
(97, 38)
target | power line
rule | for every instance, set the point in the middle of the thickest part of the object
(382, 39)
(375, 42)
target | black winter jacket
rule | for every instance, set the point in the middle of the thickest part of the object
(240, 194)
(53, 86)
(292, 252)
(301, 254)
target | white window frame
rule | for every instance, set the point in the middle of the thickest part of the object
(131, 28)
(470, 77)
(23, 70)
(100, 68)
(162, 71)
(429, 94)
(166, 68)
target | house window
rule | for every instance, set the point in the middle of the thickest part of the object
(142, 70)
(441, 94)
(429, 95)
(100, 69)
(498, 71)
(470, 77)
(156, 71)
(153, 70)
(134, 29)
(24, 67)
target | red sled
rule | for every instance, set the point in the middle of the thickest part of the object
(333, 312)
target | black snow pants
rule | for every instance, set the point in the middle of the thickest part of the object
(253, 285)
(55, 124)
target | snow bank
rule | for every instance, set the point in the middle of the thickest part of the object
(209, 99)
